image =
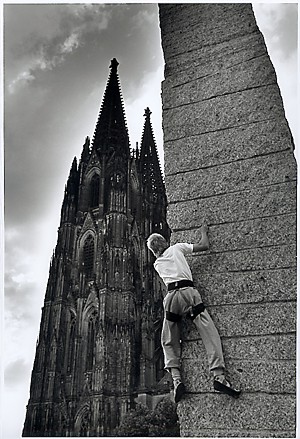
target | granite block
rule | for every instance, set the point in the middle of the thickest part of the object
(240, 76)
(197, 25)
(257, 411)
(211, 433)
(262, 347)
(247, 287)
(248, 375)
(246, 107)
(221, 147)
(239, 175)
(231, 207)
(260, 258)
(258, 232)
(209, 59)
(191, 16)
(249, 320)
(229, 164)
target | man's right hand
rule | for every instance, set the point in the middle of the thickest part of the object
(204, 243)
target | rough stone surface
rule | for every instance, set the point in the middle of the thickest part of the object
(238, 433)
(277, 256)
(258, 411)
(253, 319)
(260, 202)
(228, 146)
(233, 81)
(246, 107)
(186, 30)
(247, 287)
(244, 174)
(268, 347)
(207, 60)
(229, 164)
(251, 376)
(246, 234)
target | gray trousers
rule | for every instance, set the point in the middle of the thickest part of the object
(178, 302)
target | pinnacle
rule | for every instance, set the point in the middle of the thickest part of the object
(147, 113)
(114, 65)
(74, 164)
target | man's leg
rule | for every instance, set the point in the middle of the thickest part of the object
(211, 341)
(206, 328)
(213, 346)
(179, 388)
(170, 340)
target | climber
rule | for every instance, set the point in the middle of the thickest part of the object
(183, 300)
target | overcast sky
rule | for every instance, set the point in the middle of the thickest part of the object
(56, 60)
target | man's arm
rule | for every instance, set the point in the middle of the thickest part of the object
(204, 242)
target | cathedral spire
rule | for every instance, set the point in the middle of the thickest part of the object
(111, 134)
(149, 160)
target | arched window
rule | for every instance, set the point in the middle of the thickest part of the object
(88, 256)
(94, 191)
(85, 424)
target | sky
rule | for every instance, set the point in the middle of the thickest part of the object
(56, 65)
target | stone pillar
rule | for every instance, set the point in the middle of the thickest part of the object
(229, 163)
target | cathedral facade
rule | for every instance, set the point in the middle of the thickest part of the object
(99, 342)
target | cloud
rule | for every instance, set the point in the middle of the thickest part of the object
(22, 79)
(16, 372)
(71, 43)
(25, 274)
(18, 294)
(145, 17)
(287, 29)
(149, 96)
(278, 23)
(46, 57)
(280, 26)
(46, 35)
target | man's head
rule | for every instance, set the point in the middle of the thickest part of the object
(157, 244)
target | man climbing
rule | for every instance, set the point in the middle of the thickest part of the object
(183, 300)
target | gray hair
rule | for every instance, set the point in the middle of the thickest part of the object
(157, 244)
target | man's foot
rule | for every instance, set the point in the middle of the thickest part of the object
(179, 390)
(221, 384)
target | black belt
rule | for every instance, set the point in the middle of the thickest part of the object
(192, 313)
(180, 284)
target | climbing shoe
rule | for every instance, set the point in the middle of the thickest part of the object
(179, 390)
(221, 384)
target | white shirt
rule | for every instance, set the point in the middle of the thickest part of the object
(172, 265)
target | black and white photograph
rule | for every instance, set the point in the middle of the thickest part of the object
(149, 219)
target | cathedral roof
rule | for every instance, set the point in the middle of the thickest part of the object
(111, 133)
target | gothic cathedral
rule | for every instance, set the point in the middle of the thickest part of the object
(99, 342)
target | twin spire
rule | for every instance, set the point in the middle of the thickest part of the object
(111, 140)
(111, 132)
